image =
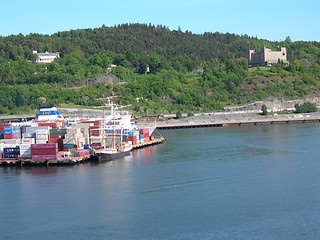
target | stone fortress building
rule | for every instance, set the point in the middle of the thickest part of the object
(268, 57)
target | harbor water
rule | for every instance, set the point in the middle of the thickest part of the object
(248, 182)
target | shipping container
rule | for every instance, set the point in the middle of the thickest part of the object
(146, 136)
(10, 155)
(42, 132)
(15, 150)
(34, 129)
(29, 135)
(10, 136)
(58, 131)
(143, 130)
(133, 133)
(57, 135)
(10, 141)
(45, 157)
(11, 132)
(28, 140)
(41, 146)
(44, 151)
(42, 137)
(54, 125)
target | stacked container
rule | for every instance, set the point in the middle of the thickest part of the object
(2, 126)
(11, 132)
(36, 134)
(145, 132)
(11, 152)
(25, 150)
(42, 136)
(41, 152)
(133, 136)
(74, 137)
(85, 130)
(57, 136)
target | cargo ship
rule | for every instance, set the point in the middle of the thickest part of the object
(113, 130)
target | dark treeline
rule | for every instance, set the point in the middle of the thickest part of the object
(171, 58)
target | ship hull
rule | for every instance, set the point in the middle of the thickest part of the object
(111, 156)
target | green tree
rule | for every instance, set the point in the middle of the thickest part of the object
(264, 110)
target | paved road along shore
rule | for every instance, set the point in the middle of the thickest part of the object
(231, 120)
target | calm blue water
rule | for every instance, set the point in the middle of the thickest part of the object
(255, 182)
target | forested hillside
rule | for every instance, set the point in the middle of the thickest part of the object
(173, 58)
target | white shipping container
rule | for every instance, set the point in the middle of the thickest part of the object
(42, 136)
(25, 150)
(41, 141)
(10, 141)
(25, 146)
(25, 155)
(74, 131)
(34, 129)
(42, 131)
(6, 145)
(69, 141)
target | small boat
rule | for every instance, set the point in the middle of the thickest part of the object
(113, 152)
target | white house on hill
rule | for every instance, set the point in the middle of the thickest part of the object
(45, 57)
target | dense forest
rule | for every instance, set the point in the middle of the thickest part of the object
(158, 70)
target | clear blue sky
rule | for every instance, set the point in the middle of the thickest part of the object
(272, 20)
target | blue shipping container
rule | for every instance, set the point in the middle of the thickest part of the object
(141, 136)
(12, 132)
(10, 155)
(132, 133)
(15, 150)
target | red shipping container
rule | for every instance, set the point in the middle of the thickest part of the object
(44, 145)
(8, 136)
(45, 157)
(53, 140)
(132, 138)
(96, 123)
(4, 125)
(57, 135)
(146, 135)
(52, 125)
(94, 132)
(144, 130)
(44, 151)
